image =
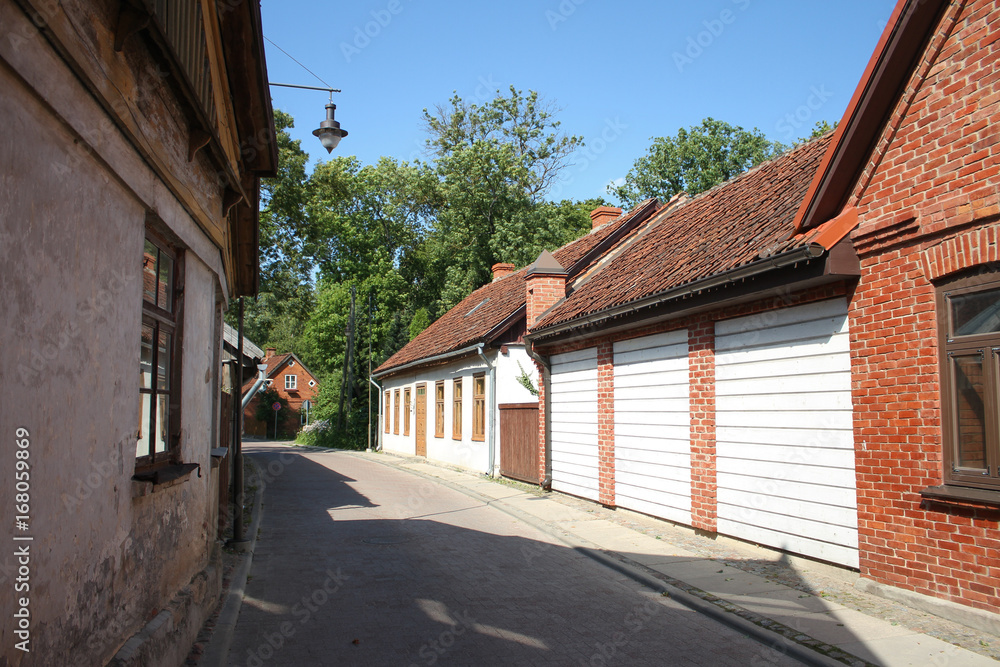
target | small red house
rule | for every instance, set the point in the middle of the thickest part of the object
(289, 378)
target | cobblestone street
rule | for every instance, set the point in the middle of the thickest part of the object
(357, 563)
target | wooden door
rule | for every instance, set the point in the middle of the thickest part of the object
(519, 441)
(421, 407)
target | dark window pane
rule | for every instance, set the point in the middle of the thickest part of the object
(165, 295)
(146, 358)
(970, 411)
(163, 363)
(976, 313)
(142, 445)
(149, 254)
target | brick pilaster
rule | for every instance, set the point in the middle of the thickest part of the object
(701, 359)
(542, 442)
(606, 423)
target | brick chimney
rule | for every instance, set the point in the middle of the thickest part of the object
(270, 352)
(502, 271)
(546, 285)
(603, 214)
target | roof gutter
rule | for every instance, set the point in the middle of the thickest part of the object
(429, 360)
(802, 254)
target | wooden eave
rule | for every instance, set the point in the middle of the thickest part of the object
(903, 42)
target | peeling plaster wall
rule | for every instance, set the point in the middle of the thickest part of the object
(72, 222)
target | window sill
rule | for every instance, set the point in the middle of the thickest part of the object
(479, 438)
(149, 482)
(949, 493)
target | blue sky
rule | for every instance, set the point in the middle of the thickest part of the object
(620, 72)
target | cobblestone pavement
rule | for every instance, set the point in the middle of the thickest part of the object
(359, 563)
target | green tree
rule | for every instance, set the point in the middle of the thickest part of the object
(277, 316)
(495, 162)
(694, 160)
(819, 129)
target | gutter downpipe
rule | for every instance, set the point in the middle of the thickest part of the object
(378, 426)
(261, 379)
(492, 407)
(546, 381)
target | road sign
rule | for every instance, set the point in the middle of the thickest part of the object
(276, 406)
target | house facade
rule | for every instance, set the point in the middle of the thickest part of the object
(289, 379)
(129, 175)
(803, 357)
(462, 392)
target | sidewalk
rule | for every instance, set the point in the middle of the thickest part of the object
(809, 604)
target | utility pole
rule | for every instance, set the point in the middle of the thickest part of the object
(369, 383)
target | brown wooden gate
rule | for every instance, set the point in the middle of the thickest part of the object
(519, 441)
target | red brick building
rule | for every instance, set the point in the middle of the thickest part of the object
(808, 356)
(289, 378)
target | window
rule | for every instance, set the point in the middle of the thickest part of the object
(395, 413)
(157, 365)
(969, 331)
(406, 411)
(291, 382)
(479, 407)
(385, 413)
(456, 411)
(439, 409)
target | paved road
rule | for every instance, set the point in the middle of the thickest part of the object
(358, 563)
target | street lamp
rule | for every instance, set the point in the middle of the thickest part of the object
(329, 132)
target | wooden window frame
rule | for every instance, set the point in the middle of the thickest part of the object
(385, 412)
(987, 346)
(162, 318)
(395, 412)
(439, 409)
(456, 409)
(479, 407)
(406, 411)
(294, 382)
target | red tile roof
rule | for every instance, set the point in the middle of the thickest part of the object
(273, 365)
(489, 311)
(721, 229)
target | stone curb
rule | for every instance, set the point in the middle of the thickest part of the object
(217, 652)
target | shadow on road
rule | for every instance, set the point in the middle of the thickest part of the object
(369, 565)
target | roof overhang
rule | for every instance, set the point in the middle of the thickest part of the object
(435, 360)
(898, 51)
(796, 270)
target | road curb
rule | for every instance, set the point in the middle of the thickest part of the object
(776, 641)
(217, 652)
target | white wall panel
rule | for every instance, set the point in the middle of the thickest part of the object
(652, 426)
(574, 423)
(784, 431)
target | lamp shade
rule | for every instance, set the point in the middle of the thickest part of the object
(329, 132)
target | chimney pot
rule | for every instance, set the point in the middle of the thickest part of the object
(502, 271)
(604, 214)
(270, 352)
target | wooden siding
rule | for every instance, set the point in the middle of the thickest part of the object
(652, 426)
(784, 431)
(574, 423)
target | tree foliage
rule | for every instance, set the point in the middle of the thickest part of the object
(695, 160)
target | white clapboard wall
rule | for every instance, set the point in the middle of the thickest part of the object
(784, 431)
(653, 426)
(574, 423)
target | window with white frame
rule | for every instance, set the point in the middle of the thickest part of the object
(291, 382)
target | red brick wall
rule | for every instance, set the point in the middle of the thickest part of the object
(701, 378)
(606, 423)
(928, 205)
(289, 421)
